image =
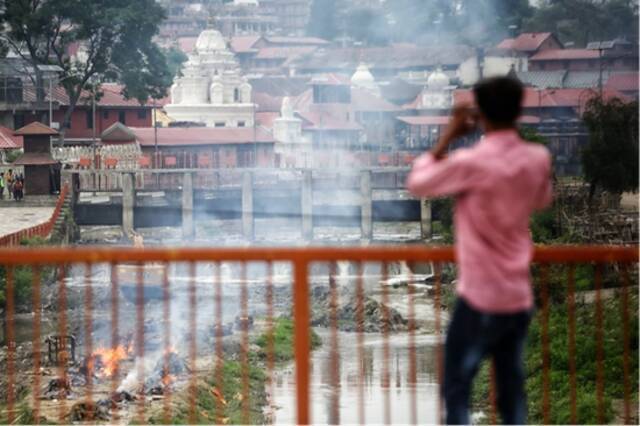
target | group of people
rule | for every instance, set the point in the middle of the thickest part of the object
(14, 184)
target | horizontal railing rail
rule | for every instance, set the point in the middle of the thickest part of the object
(134, 268)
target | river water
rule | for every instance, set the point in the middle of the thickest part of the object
(399, 390)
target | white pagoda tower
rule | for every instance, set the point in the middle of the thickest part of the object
(212, 89)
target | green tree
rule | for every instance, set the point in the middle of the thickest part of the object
(175, 59)
(610, 159)
(115, 37)
(582, 21)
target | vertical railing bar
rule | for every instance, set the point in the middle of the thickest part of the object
(625, 341)
(437, 308)
(334, 411)
(412, 347)
(571, 308)
(493, 397)
(219, 352)
(88, 331)
(386, 380)
(192, 343)
(62, 330)
(599, 345)
(302, 341)
(37, 352)
(244, 347)
(140, 338)
(360, 341)
(544, 272)
(166, 323)
(115, 318)
(270, 330)
(11, 346)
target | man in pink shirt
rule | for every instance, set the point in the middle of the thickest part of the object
(497, 184)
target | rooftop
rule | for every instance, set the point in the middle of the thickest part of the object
(190, 136)
(35, 128)
(525, 42)
(564, 54)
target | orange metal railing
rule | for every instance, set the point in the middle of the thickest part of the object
(40, 230)
(301, 260)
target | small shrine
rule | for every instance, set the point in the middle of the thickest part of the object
(41, 171)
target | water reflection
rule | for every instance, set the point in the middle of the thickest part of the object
(399, 391)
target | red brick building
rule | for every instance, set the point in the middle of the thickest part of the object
(110, 108)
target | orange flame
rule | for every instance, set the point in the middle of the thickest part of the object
(109, 359)
(168, 379)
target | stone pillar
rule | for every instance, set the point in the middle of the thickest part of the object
(247, 206)
(425, 219)
(188, 227)
(306, 208)
(366, 207)
(128, 202)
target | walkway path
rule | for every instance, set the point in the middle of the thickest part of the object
(13, 219)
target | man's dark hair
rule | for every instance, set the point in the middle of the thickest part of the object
(499, 99)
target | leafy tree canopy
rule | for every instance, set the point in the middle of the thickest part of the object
(114, 38)
(582, 21)
(610, 159)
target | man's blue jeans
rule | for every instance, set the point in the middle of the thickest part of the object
(472, 336)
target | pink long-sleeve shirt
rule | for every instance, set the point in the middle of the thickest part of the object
(497, 183)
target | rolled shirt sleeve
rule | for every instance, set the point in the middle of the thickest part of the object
(430, 177)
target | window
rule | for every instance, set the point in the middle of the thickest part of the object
(105, 114)
(236, 95)
(142, 114)
(219, 124)
(241, 123)
(121, 117)
(90, 119)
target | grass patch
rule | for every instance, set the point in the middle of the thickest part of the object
(283, 341)
(211, 409)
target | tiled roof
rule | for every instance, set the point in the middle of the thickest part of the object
(542, 79)
(266, 102)
(244, 44)
(283, 52)
(625, 82)
(118, 132)
(296, 40)
(331, 79)
(188, 136)
(266, 119)
(112, 96)
(280, 85)
(187, 44)
(34, 159)
(525, 42)
(388, 57)
(324, 120)
(564, 54)
(423, 120)
(8, 140)
(548, 98)
(35, 128)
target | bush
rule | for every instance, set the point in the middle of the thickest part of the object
(283, 341)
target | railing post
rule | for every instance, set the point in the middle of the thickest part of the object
(302, 345)
(425, 219)
(188, 229)
(128, 202)
(366, 208)
(247, 206)
(306, 207)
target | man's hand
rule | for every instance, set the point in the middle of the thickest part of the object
(464, 120)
